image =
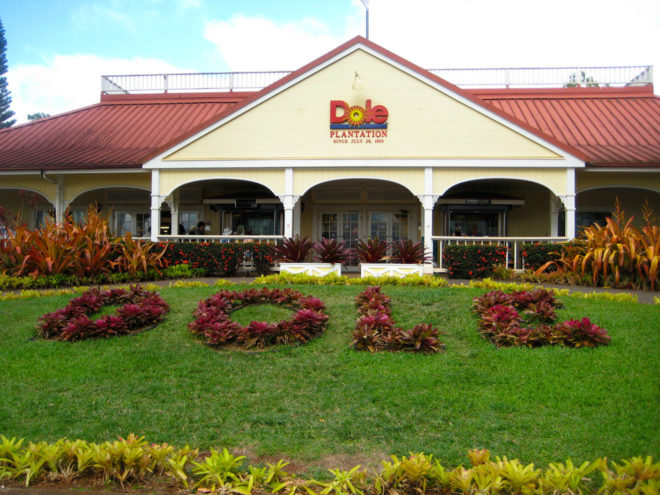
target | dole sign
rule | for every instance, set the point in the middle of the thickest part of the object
(345, 116)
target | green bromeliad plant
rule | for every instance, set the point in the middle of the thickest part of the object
(134, 461)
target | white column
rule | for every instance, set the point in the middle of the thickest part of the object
(289, 201)
(60, 206)
(428, 200)
(296, 217)
(554, 215)
(156, 201)
(569, 203)
(173, 203)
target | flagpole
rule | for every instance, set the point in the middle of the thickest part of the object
(366, 7)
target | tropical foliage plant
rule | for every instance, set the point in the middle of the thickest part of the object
(83, 250)
(616, 253)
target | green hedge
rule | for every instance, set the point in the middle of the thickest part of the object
(537, 254)
(212, 257)
(473, 260)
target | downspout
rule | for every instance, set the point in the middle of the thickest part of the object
(58, 196)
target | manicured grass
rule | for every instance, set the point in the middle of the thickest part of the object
(540, 405)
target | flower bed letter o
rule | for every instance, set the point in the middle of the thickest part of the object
(213, 319)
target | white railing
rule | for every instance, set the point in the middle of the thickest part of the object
(267, 239)
(514, 257)
(549, 77)
(190, 82)
(517, 77)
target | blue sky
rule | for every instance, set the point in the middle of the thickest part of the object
(57, 49)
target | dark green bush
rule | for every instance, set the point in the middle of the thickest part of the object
(472, 260)
(539, 253)
(262, 256)
(213, 258)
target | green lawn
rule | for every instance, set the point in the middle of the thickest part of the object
(539, 405)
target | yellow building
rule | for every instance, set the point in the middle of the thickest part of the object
(359, 143)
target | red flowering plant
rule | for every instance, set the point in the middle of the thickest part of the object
(375, 329)
(138, 309)
(213, 318)
(529, 319)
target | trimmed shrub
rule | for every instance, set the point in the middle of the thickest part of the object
(262, 256)
(213, 258)
(538, 254)
(473, 260)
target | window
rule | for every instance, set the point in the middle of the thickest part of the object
(123, 223)
(350, 231)
(399, 226)
(329, 225)
(188, 220)
(41, 216)
(378, 225)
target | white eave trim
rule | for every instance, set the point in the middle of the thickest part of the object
(368, 163)
(359, 46)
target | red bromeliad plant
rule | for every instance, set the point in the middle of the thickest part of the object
(529, 319)
(293, 249)
(333, 251)
(138, 309)
(375, 329)
(213, 318)
(407, 251)
(372, 251)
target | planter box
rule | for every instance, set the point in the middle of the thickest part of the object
(390, 269)
(313, 269)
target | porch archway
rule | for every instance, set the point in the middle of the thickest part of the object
(226, 206)
(499, 208)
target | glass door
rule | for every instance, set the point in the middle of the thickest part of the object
(378, 226)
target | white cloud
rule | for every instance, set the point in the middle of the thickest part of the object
(260, 44)
(68, 82)
(507, 33)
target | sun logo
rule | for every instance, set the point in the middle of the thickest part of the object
(356, 116)
(345, 116)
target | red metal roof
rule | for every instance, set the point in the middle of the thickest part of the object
(601, 126)
(614, 127)
(119, 132)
